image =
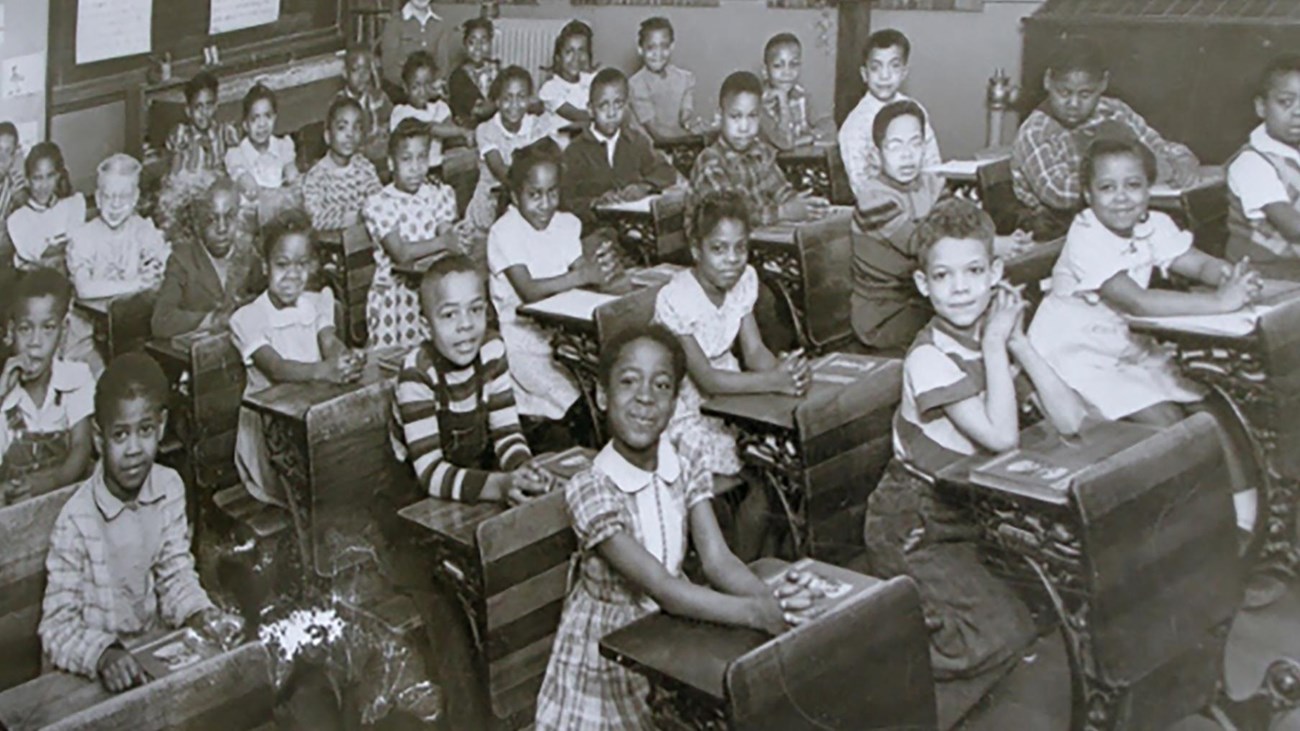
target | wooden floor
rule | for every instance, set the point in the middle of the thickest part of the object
(1037, 694)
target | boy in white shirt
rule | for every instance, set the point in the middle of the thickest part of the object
(884, 69)
(1264, 176)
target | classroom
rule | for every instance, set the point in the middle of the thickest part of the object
(597, 365)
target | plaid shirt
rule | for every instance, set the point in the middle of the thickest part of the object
(201, 150)
(1046, 156)
(416, 429)
(754, 173)
(782, 125)
(92, 598)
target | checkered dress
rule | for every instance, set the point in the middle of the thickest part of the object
(334, 195)
(393, 308)
(582, 689)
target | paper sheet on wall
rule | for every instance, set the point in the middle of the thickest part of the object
(2, 25)
(113, 29)
(22, 75)
(228, 15)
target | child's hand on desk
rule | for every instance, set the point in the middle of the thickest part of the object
(1239, 286)
(797, 598)
(1008, 247)
(342, 369)
(800, 371)
(527, 483)
(119, 670)
(634, 192)
(1183, 171)
(803, 207)
(589, 270)
(219, 628)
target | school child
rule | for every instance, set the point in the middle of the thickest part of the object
(469, 87)
(609, 162)
(884, 69)
(214, 268)
(1104, 272)
(416, 29)
(534, 251)
(119, 564)
(408, 219)
(263, 165)
(510, 129)
(13, 184)
(285, 335)
(361, 84)
(1050, 145)
(635, 510)
(200, 142)
(47, 401)
(661, 93)
(567, 91)
(419, 76)
(886, 310)
(118, 253)
(710, 308)
(1264, 175)
(959, 398)
(786, 122)
(454, 411)
(335, 190)
(741, 161)
(39, 229)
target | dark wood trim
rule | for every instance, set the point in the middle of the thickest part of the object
(854, 28)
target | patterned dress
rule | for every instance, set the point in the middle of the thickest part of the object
(684, 308)
(583, 690)
(393, 308)
(335, 194)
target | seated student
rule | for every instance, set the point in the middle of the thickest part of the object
(119, 563)
(417, 28)
(608, 162)
(213, 269)
(454, 411)
(408, 219)
(1104, 272)
(118, 253)
(568, 90)
(533, 252)
(199, 143)
(1264, 175)
(710, 308)
(510, 129)
(419, 76)
(336, 188)
(39, 230)
(887, 311)
(741, 161)
(285, 335)
(1053, 138)
(959, 398)
(884, 69)
(47, 401)
(361, 84)
(786, 122)
(13, 184)
(264, 166)
(470, 84)
(662, 94)
(635, 511)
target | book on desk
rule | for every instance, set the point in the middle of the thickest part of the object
(1047, 465)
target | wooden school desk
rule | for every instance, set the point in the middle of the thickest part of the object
(1135, 548)
(863, 665)
(808, 168)
(121, 323)
(348, 267)
(652, 230)
(821, 454)
(227, 690)
(1253, 361)
(329, 445)
(779, 253)
(507, 568)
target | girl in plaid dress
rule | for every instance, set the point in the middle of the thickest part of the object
(633, 511)
(409, 219)
(338, 186)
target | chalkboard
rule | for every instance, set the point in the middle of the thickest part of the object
(181, 28)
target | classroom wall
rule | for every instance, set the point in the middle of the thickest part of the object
(712, 42)
(24, 29)
(953, 55)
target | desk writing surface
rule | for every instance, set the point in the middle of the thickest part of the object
(294, 400)
(832, 373)
(641, 205)
(451, 518)
(782, 233)
(574, 305)
(1239, 324)
(1210, 175)
(696, 654)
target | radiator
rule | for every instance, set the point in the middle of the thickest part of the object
(527, 42)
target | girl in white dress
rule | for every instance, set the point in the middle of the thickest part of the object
(1104, 273)
(709, 307)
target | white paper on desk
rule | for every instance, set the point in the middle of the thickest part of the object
(113, 29)
(228, 15)
(579, 304)
(949, 168)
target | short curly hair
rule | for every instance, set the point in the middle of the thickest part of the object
(952, 218)
(613, 348)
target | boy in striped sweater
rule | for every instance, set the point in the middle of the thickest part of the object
(454, 416)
